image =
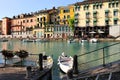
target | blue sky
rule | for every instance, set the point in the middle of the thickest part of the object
(9, 8)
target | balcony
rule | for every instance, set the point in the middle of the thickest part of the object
(76, 21)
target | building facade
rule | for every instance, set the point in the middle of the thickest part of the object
(6, 26)
(96, 16)
(23, 24)
(62, 29)
(45, 23)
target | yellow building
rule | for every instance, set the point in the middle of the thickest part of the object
(96, 16)
(65, 13)
(62, 29)
(43, 28)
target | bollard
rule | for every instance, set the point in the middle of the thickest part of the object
(70, 74)
(41, 61)
(75, 65)
(28, 72)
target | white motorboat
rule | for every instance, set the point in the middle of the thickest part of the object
(71, 41)
(65, 63)
(93, 40)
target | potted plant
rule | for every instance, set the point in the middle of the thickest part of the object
(22, 54)
(7, 55)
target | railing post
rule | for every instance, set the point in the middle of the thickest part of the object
(41, 61)
(28, 72)
(103, 57)
(75, 65)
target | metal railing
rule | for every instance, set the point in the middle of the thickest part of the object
(101, 57)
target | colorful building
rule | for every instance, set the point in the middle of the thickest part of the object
(62, 29)
(6, 26)
(23, 24)
(96, 16)
(45, 21)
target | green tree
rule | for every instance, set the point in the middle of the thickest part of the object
(71, 23)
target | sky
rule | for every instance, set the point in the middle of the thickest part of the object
(10, 8)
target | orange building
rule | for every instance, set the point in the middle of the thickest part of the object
(6, 26)
(23, 24)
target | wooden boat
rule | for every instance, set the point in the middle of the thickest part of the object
(65, 63)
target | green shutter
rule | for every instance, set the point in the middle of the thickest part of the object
(94, 12)
(106, 19)
(115, 18)
(106, 10)
(115, 9)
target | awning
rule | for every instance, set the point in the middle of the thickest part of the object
(106, 10)
(95, 20)
(92, 32)
(106, 19)
(94, 12)
(115, 18)
(115, 9)
(99, 31)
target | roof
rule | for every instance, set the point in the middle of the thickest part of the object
(92, 1)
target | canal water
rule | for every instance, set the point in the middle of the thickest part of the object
(56, 48)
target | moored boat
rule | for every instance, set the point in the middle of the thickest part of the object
(65, 63)
(93, 40)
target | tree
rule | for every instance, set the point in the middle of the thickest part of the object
(71, 22)
(7, 55)
(22, 54)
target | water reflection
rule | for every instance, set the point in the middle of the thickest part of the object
(56, 48)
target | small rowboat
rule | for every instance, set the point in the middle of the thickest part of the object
(65, 63)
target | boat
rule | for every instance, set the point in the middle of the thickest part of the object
(28, 40)
(35, 40)
(71, 41)
(65, 63)
(3, 40)
(93, 40)
(47, 62)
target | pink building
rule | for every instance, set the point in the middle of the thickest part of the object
(23, 24)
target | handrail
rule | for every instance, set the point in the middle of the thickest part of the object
(98, 49)
(99, 58)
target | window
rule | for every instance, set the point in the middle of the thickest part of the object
(106, 13)
(87, 14)
(115, 13)
(23, 21)
(38, 19)
(66, 11)
(31, 20)
(68, 16)
(115, 21)
(113, 4)
(116, 4)
(64, 17)
(93, 6)
(87, 23)
(106, 22)
(109, 5)
(27, 21)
